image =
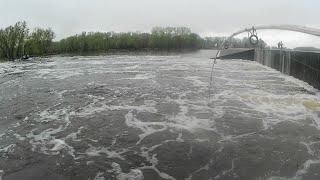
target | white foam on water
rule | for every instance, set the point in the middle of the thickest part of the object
(1, 135)
(99, 176)
(299, 174)
(185, 120)
(182, 66)
(4, 67)
(306, 166)
(133, 174)
(45, 142)
(179, 138)
(7, 149)
(181, 120)
(97, 151)
(100, 105)
(19, 137)
(205, 167)
(141, 108)
(124, 62)
(44, 135)
(233, 138)
(89, 162)
(59, 74)
(60, 93)
(96, 106)
(309, 146)
(146, 153)
(230, 171)
(1, 174)
(116, 167)
(132, 67)
(58, 145)
(296, 108)
(143, 76)
(96, 62)
(286, 107)
(196, 81)
(14, 68)
(56, 115)
(74, 135)
(282, 178)
(146, 127)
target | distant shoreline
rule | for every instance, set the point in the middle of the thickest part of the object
(126, 51)
(117, 52)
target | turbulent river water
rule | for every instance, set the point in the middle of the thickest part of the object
(135, 116)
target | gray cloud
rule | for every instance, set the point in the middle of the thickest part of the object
(213, 17)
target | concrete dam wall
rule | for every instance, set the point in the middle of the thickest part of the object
(237, 53)
(299, 64)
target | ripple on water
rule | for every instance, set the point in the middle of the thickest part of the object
(136, 117)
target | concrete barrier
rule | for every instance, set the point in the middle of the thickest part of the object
(299, 64)
(237, 53)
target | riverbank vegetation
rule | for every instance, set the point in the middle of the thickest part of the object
(216, 42)
(160, 38)
(18, 41)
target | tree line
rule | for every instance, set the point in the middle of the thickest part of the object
(17, 41)
(160, 38)
(217, 42)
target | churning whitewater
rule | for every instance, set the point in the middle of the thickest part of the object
(135, 116)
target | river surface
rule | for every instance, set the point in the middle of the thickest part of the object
(135, 116)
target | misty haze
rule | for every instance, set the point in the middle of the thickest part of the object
(159, 90)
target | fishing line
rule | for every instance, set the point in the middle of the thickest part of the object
(253, 39)
(211, 75)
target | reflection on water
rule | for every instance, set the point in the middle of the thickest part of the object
(149, 117)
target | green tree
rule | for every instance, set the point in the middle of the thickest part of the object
(12, 40)
(40, 41)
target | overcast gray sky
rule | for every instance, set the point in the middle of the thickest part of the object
(205, 17)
